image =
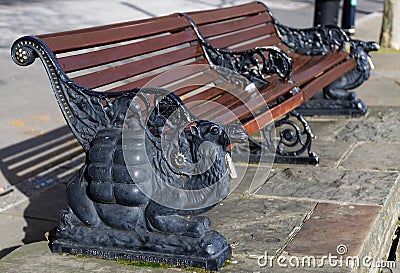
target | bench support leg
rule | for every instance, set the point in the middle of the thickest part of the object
(294, 139)
(289, 143)
(335, 99)
(334, 102)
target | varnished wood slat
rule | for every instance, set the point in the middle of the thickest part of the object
(272, 40)
(205, 78)
(251, 106)
(210, 30)
(161, 79)
(313, 87)
(225, 97)
(207, 16)
(206, 95)
(114, 74)
(299, 61)
(236, 38)
(197, 101)
(266, 118)
(307, 73)
(109, 55)
(103, 27)
(101, 37)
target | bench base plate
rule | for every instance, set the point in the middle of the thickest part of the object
(210, 263)
(256, 158)
(326, 107)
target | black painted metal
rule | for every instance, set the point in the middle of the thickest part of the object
(349, 16)
(109, 215)
(335, 99)
(247, 62)
(326, 12)
(320, 40)
(290, 139)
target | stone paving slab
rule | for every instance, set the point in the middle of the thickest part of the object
(382, 125)
(326, 128)
(336, 185)
(330, 155)
(332, 226)
(388, 81)
(263, 226)
(379, 156)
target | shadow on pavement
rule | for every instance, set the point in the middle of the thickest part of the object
(41, 165)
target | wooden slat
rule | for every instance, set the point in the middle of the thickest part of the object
(159, 80)
(243, 110)
(202, 79)
(102, 27)
(239, 37)
(266, 118)
(312, 88)
(114, 74)
(312, 70)
(272, 40)
(197, 101)
(210, 30)
(109, 55)
(75, 41)
(221, 14)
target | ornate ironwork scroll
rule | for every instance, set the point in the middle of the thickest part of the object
(255, 64)
(83, 109)
(334, 99)
(313, 41)
(290, 138)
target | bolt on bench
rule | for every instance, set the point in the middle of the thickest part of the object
(155, 159)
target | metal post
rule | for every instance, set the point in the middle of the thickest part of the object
(349, 14)
(326, 12)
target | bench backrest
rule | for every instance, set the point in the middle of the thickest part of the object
(240, 27)
(128, 55)
(125, 55)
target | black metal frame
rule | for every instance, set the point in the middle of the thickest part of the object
(276, 62)
(334, 99)
(109, 216)
(290, 139)
(246, 62)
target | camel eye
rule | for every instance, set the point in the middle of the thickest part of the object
(215, 130)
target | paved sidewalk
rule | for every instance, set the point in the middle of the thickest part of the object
(350, 200)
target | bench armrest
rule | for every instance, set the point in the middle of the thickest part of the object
(255, 64)
(313, 41)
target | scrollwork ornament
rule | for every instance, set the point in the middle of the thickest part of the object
(255, 64)
(23, 55)
(318, 40)
(295, 136)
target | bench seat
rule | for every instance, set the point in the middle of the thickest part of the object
(125, 56)
(319, 55)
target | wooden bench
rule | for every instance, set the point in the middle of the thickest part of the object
(319, 55)
(107, 78)
(128, 55)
